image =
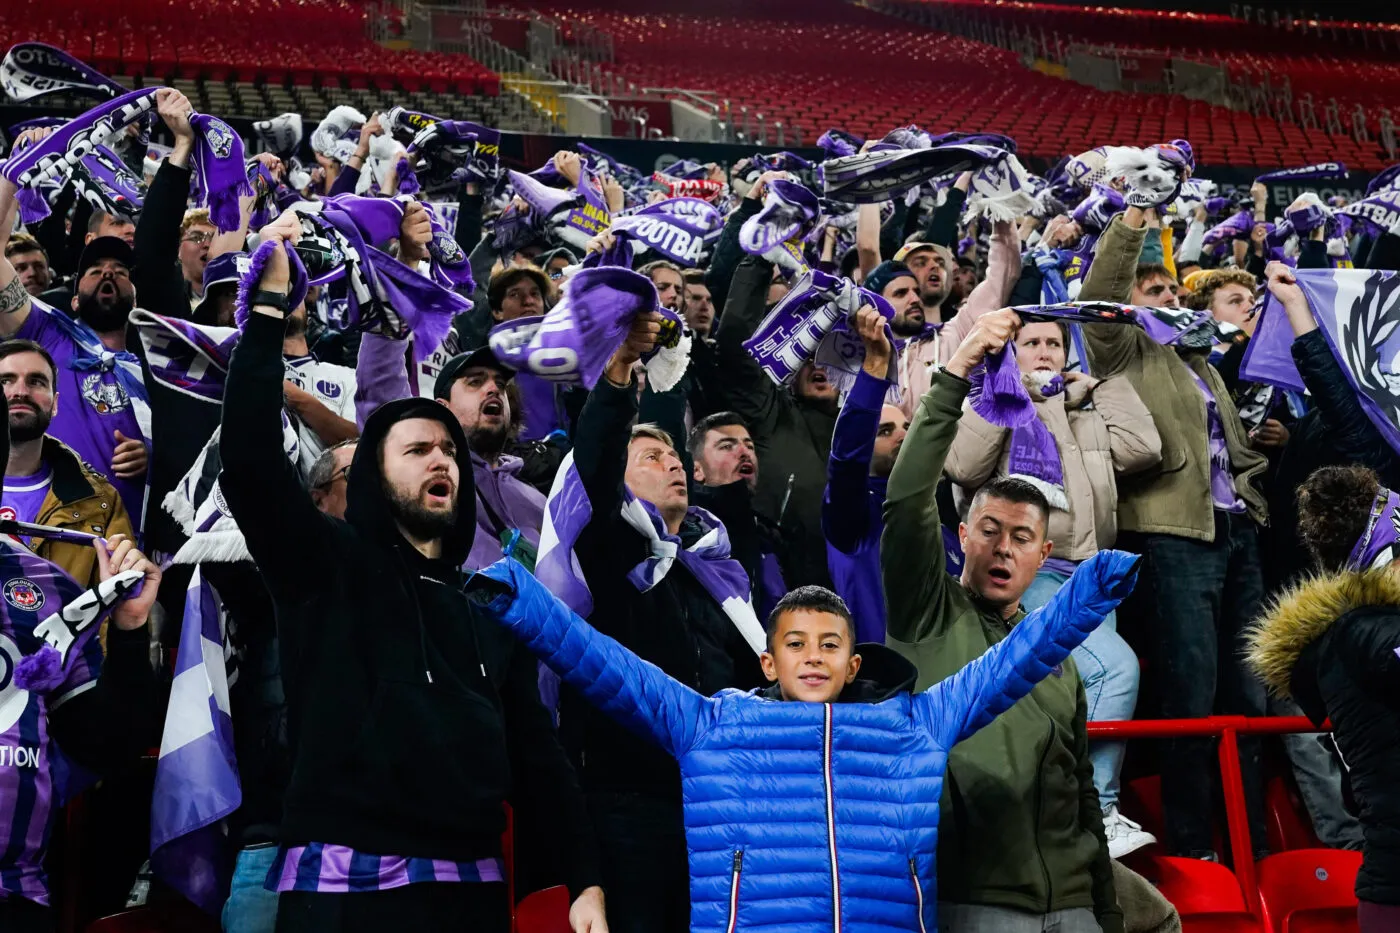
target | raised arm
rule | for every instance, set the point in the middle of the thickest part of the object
(728, 254)
(846, 502)
(1110, 278)
(603, 428)
(917, 587)
(742, 384)
(156, 242)
(632, 691)
(957, 707)
(282, 527)
(993, 292)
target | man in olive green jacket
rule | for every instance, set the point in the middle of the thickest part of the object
(1194, 519)
(1021, 840)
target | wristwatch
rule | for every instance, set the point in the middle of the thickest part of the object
(268, 299)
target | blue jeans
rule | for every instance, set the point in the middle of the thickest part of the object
(1109, 669)
(250, 907)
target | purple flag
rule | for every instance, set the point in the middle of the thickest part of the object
(1358, 311)
(196, 783)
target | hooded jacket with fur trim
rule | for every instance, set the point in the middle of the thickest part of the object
(413, 718)
(1332, 643)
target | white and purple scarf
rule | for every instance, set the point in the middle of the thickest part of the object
(573, 217)
(1379, 546)
(280, 134)
(1380, 210)
(777, 232)
(1032, 454)
(1320, 172)
(573, 341)
(338, 134)
(33, 69)
(567, 512)
(216, 161)
(449, 152)
(1358, 312)
(1001, 190)
(814, 322)
(676, 229)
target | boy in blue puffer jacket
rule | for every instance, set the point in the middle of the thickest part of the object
(819, 814)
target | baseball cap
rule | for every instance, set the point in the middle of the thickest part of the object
(106, 247)
(907, 249)
(481, 356)
(222, 270)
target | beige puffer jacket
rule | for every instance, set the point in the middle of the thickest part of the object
(1101, 428)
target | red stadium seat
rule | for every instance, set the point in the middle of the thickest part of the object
(1205, 894)
(544, 911)
(1309, 891)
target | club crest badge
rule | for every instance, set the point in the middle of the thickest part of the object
(220, 138)
(106, 398)
(24, 594)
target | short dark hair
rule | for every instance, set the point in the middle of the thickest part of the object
(1334, 507)
(1011, 489)
(811, 599)
(501, 282)
(720, 419)
(1150, 270)
(694, 277)
(16, 345)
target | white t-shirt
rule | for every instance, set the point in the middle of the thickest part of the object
(332, 386)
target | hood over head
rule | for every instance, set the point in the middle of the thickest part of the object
(367, 507)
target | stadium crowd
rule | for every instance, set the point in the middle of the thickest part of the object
(765, 536)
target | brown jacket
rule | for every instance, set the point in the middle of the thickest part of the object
(1101, 428)
(1175, 498)
(80, 499)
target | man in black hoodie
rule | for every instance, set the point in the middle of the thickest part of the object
(412, 718)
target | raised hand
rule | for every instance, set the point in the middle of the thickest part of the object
(992, 332)
(116, 555)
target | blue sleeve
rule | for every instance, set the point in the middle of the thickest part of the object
(845, 504)
(960, 705)
(634, 692)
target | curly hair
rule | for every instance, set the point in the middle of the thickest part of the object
(1205, 284)
(1334, 505)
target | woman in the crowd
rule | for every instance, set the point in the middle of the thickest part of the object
(1332, 643)
(1087, 432)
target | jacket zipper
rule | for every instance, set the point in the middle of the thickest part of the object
(1039, 799)
(918, 894)
(734, 891)
(831, 821)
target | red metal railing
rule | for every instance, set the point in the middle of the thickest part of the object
(1228, 729)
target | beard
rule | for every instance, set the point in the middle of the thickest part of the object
(488, 442)
(32, 424)
(105, 315)
(417, 519)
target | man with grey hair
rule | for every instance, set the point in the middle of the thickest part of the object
(328, 475)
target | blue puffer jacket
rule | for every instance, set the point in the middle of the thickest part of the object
(805, 817)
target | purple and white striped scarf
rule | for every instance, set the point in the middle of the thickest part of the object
(813, 322)
(567, 512)
(337, 869)
(789, 215)
(216, 161)
(1377, 547)
(33, 69)
(1033, 456)
(572, 342)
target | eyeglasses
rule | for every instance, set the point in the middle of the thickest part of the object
(342, 473)
(199, 237)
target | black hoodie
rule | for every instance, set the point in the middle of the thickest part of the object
(412, 718)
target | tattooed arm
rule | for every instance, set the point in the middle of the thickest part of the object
(14, 300)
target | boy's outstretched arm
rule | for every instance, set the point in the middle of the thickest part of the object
(974, 696)
(637, 693)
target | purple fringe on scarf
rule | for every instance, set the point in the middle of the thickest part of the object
(248, 282)
(407, 178)
(41, 671)
(997, 393)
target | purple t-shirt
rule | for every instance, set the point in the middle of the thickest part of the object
(29, 593)
(24, 496)
(91, 406)
(1222, 480)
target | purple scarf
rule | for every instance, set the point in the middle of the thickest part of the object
(882, 174)
(1376, 548)
(1319, 172)
(839, 143)
(1237, 226)
(790, 213)
(1033, 457)
(675, 229)
(572, 342)
(447, 151)
(1096, 211)
(573, 217)
(1380, 209)
(812, 322)
(216, 161)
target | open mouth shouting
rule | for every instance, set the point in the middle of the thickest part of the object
(439, 492)
(493, 408)
(999, 576)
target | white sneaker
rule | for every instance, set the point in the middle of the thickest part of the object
(1123, 834)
